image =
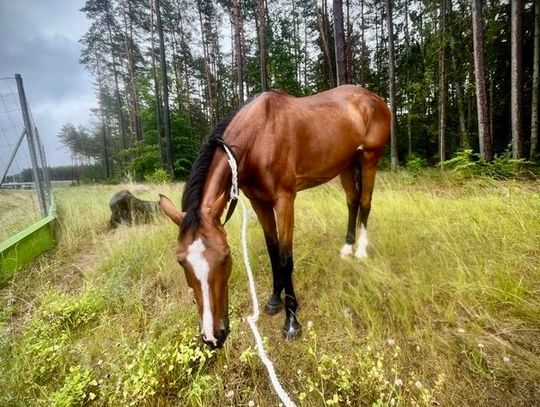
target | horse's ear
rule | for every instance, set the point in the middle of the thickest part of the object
(219, 205)
(170, 210)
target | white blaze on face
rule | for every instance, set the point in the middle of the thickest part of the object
(361, 251)
(200, 269)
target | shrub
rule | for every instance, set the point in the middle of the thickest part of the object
(467, 164)
(415, 164)
(159, 176)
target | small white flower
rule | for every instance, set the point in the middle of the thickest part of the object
(229, 394)
(506, 359)
(225, 367)
(299, 372)
(251, 403)
(398, 382)
(481, 346)
(309, 324)
(461, 330)
(418, 384)
(391, 342)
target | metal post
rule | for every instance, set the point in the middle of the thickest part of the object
(31, 146)
(44, 168)
(12, 157)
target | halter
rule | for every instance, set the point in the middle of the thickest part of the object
(234, 172)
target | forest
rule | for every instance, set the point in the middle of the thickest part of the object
(459, 76)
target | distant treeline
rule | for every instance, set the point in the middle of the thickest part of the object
(86, 172)
(458, 74)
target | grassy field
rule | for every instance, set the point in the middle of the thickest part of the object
(446, 311)
(18, 210)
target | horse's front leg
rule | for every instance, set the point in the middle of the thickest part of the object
(284, 210)
(265, 214)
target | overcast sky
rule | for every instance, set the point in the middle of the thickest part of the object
(39, 40)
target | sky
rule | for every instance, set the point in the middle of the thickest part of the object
(40, 40)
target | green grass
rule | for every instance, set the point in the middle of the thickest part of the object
(446, 309)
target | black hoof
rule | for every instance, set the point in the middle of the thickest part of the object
(273, 306)
(292, 329)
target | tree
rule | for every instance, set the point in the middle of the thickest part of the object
(339, 40)
(165, 83)
(484, 136)
(536, 74)
(392, 84)
(263, 48)
(442, 82)
(517, 79)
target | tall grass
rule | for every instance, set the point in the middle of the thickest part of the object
(446, 309)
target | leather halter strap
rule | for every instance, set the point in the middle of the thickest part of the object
(234, 195)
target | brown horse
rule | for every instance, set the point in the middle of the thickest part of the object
(282, 145)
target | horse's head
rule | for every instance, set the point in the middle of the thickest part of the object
(204, 254)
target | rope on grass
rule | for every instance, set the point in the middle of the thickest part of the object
(252, 319)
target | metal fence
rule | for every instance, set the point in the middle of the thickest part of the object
(26, 203)
(25, 191)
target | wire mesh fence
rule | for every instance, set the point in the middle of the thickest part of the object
(25, 192)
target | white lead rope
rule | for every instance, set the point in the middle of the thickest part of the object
(252, 319)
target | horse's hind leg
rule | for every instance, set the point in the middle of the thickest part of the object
(352, 193)
(265, 214)
(368, 163)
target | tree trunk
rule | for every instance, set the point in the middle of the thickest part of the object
(238, 48)
(207, 71)
(362, 46)
(128, 33)
(105, 144)
(118, 100)
(517, 79)
(484, 136)
(392, 85)
(165, 84)
(157, 95)
(407, 92)
(325, 46)
(263, 51)
(536, 73)
(442, 83)
(339, 41)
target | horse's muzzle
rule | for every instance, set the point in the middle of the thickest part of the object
(220, 336)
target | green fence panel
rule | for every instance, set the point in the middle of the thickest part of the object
(26, 246)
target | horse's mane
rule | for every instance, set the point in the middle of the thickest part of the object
(193, 190)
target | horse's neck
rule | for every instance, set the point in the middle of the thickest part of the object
(217, 187)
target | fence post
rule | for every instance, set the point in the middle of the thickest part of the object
(30, 137)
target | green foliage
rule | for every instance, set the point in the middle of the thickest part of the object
(79, 388)
(142, 159)
(415, 164)
(467, 164)
(164, 369)
(46, 340)
(159, 176)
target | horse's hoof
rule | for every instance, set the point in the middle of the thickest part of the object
(346, 251)
(292, 329)
(273, 306)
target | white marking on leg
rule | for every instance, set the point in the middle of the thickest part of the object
(200, 269)
(346, 250)
(361, 251)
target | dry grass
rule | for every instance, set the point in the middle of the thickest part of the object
(445, 311)
(18, 210)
